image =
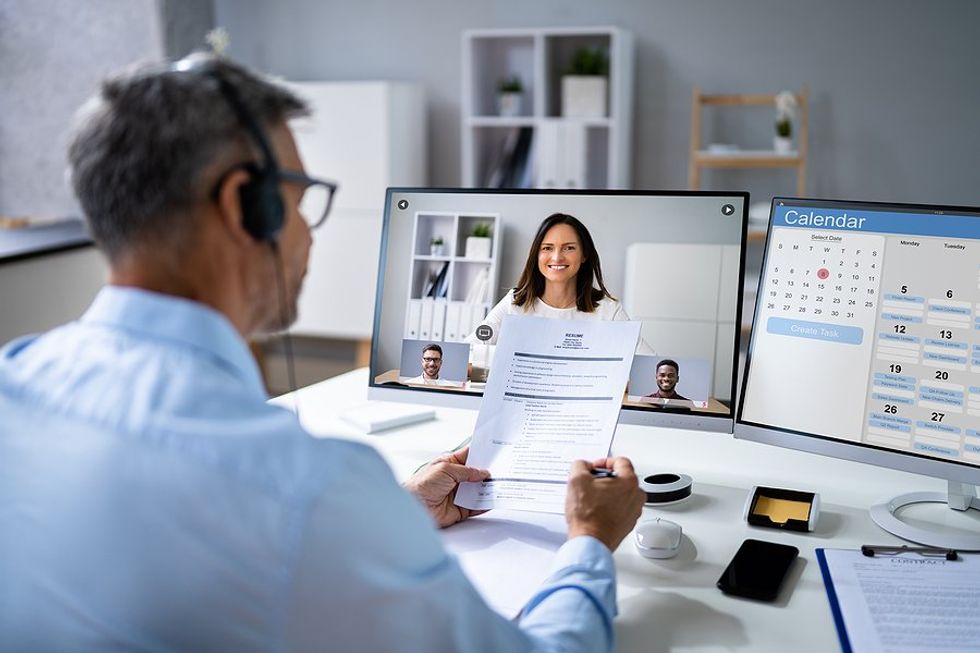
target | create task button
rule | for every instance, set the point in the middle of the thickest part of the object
(847, 335)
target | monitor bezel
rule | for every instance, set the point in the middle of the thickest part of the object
(950, 470)
(666, 417)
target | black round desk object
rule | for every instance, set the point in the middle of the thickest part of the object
(666, 488)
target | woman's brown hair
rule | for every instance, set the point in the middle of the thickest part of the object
(531, 284)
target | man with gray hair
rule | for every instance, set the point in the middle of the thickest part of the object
(150, 498)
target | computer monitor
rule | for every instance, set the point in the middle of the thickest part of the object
(672, 260)
(865, 345)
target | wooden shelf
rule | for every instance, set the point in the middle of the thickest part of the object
(747, 159)
(701, 158)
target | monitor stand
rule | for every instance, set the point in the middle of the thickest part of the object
(959, 496)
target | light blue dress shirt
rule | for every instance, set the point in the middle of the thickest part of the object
(150, 499)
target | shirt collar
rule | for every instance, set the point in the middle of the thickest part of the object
(178, 320)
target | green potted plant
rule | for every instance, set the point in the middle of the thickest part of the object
(437, 246)
(785, 103)
(510, 91)
(584, 87)
(479, 244)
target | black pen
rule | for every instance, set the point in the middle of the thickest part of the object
(603, 472)
(871, 550)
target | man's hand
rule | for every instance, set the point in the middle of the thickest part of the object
(605, 508)
(435, 486)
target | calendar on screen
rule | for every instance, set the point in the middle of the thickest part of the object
(874, 315)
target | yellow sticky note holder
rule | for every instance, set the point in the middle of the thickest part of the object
(775, 507)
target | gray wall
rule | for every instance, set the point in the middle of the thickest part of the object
(895, 103)
(53, 53)
(52, 56)
(185, 23)
(895, 109)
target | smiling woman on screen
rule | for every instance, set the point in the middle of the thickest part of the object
(559, 280)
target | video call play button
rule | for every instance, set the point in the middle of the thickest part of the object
(484, 333)
(403, 204)
(728, 209)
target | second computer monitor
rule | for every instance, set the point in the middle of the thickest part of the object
(453, 262)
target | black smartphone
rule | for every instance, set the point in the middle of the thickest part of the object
(757, 570)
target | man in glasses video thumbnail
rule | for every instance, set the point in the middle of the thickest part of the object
(431, 365)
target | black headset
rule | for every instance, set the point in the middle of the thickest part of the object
(261, 202)
(262, 206)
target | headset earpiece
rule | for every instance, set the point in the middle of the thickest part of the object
(261, 202)
(262, 207)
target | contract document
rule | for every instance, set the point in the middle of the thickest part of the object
(904, 603)
(553, 396)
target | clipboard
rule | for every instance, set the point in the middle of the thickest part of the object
(865, 619)
(828, 583)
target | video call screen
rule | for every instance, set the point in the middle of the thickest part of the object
(452, 259)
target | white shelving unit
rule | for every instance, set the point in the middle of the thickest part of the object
(565, 152)
(449, 293)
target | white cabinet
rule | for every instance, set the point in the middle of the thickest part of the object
(366, 136)
(450, 288)
(41, 292)
(690, 315)
(564, 151)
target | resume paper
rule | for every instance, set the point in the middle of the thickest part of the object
(553, 397)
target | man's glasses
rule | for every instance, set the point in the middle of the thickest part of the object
(429, 359)
(317, 196)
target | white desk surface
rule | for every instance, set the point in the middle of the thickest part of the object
(673, 605)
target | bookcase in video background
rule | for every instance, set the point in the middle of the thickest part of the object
(453, 275)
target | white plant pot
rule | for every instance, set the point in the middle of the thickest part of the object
(437, 250)
(782, 145)
(477, 247)
(584, 96)
(509, 104)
